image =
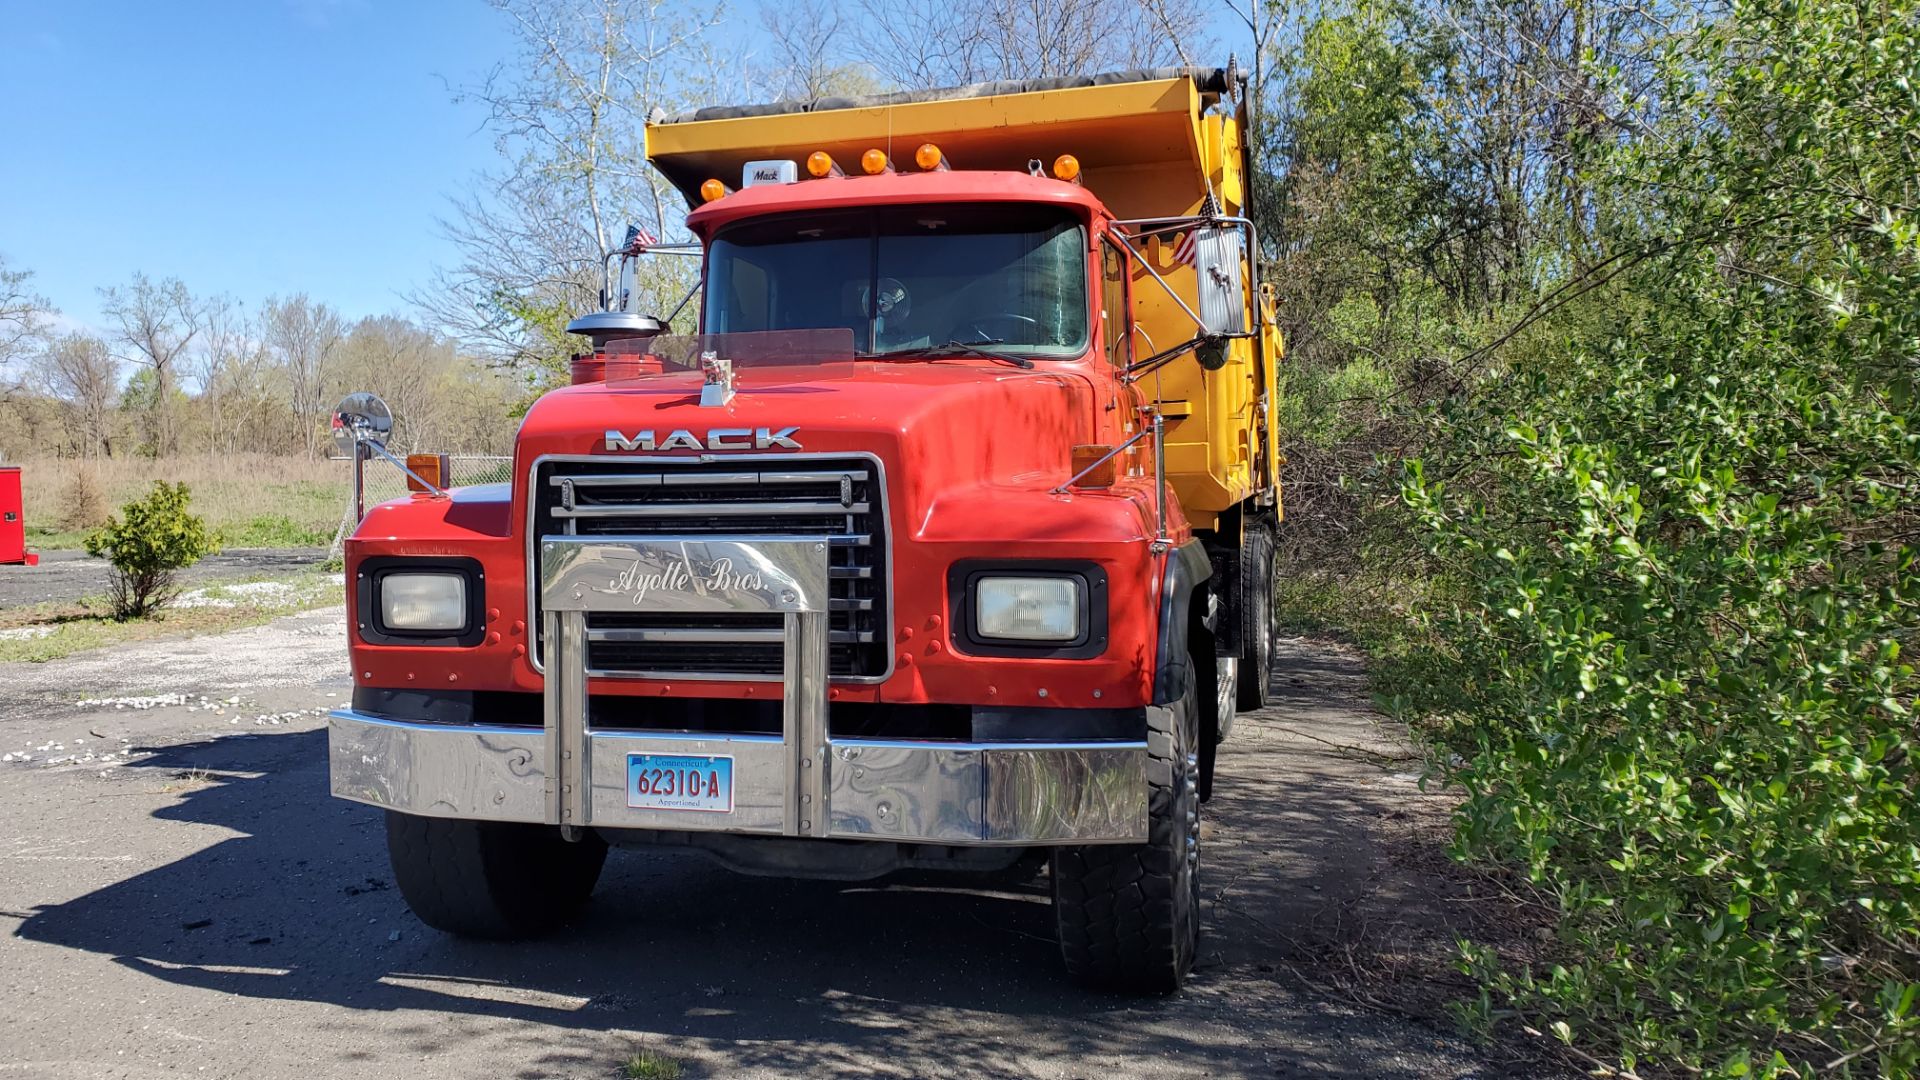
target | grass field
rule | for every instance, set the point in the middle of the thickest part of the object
(251, 500)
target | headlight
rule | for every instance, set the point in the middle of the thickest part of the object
(1029, 608)
(413, 602)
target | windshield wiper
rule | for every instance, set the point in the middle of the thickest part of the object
(970, 348)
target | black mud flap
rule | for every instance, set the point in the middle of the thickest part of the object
(1187, 569)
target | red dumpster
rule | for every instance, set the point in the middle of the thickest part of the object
(13, 525)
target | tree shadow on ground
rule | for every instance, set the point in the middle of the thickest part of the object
(913, 975)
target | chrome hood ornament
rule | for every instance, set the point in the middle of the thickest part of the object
(716, 375)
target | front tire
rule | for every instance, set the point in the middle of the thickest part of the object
(1128, 916)
(490, 879)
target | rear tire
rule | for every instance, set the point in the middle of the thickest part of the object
(490, 879)
(1253, 579)
(1128, 916)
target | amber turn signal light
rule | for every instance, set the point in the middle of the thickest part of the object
(874, 162)
(821, 165)
(712, 189)
(435, 469)
(1102, 476)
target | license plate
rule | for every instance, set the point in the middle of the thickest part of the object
(680, 782)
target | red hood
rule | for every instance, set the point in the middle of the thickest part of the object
(939, 426)
(971, 452)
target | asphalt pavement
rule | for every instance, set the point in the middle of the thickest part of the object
(70, 575)
(179, 896)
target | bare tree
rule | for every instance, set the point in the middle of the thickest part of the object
(410, 367)
(568, 114)
(478, 410)
(255, 399)
(808, 59)
(82, 372)
(23, 316)
(921, 43)
(304, 338)
(223, 347)
(156, 321)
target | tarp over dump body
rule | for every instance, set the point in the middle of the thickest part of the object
(1115, 124)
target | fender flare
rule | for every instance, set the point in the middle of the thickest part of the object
(1187, 570)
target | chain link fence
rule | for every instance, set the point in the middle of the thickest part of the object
(381, 480)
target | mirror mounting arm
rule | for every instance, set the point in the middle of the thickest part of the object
(1141, 369)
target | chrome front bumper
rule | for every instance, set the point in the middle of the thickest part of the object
(937, 793)
(800, 783)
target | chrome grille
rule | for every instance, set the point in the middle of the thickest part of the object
(841, 499)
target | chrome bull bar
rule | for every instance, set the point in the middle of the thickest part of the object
(695, 575)
(800, 783)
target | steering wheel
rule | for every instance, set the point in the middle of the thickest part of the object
(978, 327)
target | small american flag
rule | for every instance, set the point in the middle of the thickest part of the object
(638, 240)
(1186, 247)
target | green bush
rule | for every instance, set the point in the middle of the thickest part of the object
(1681, 583)
(148, 544)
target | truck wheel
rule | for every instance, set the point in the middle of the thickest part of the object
(1254, 580)
(490, 879)
(1128, 916)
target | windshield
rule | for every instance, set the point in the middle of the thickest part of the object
(902, 279)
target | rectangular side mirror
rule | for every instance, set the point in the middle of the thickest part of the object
(1219, 255)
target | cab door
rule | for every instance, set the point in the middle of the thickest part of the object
(1121, 401)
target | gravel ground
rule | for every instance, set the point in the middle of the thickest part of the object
(70, 575)
(180, 896)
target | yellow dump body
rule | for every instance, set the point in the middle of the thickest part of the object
(1150, 145)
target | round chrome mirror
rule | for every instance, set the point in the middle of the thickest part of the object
(361, 417)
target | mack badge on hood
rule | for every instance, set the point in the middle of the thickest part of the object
(716, 439)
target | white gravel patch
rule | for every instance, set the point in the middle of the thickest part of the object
(74, 750)
(25, 633)
(292, 651)
(256, 592)
(264, 592)
(156, 701)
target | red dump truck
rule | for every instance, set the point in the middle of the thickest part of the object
(941, 537)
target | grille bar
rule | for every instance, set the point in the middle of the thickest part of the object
(837, 499)
(668, 479)
(691, 635)
(706, 509)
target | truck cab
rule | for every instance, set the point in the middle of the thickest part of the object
(942, 539)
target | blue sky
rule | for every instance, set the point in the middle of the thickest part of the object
(251, 148)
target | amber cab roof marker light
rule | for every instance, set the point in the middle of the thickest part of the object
(874, 162)
(929, 158)
(1067, 167)
(821, 165)
(714, 189)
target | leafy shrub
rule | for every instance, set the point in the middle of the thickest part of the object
(1682, 579)
(152, 540)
